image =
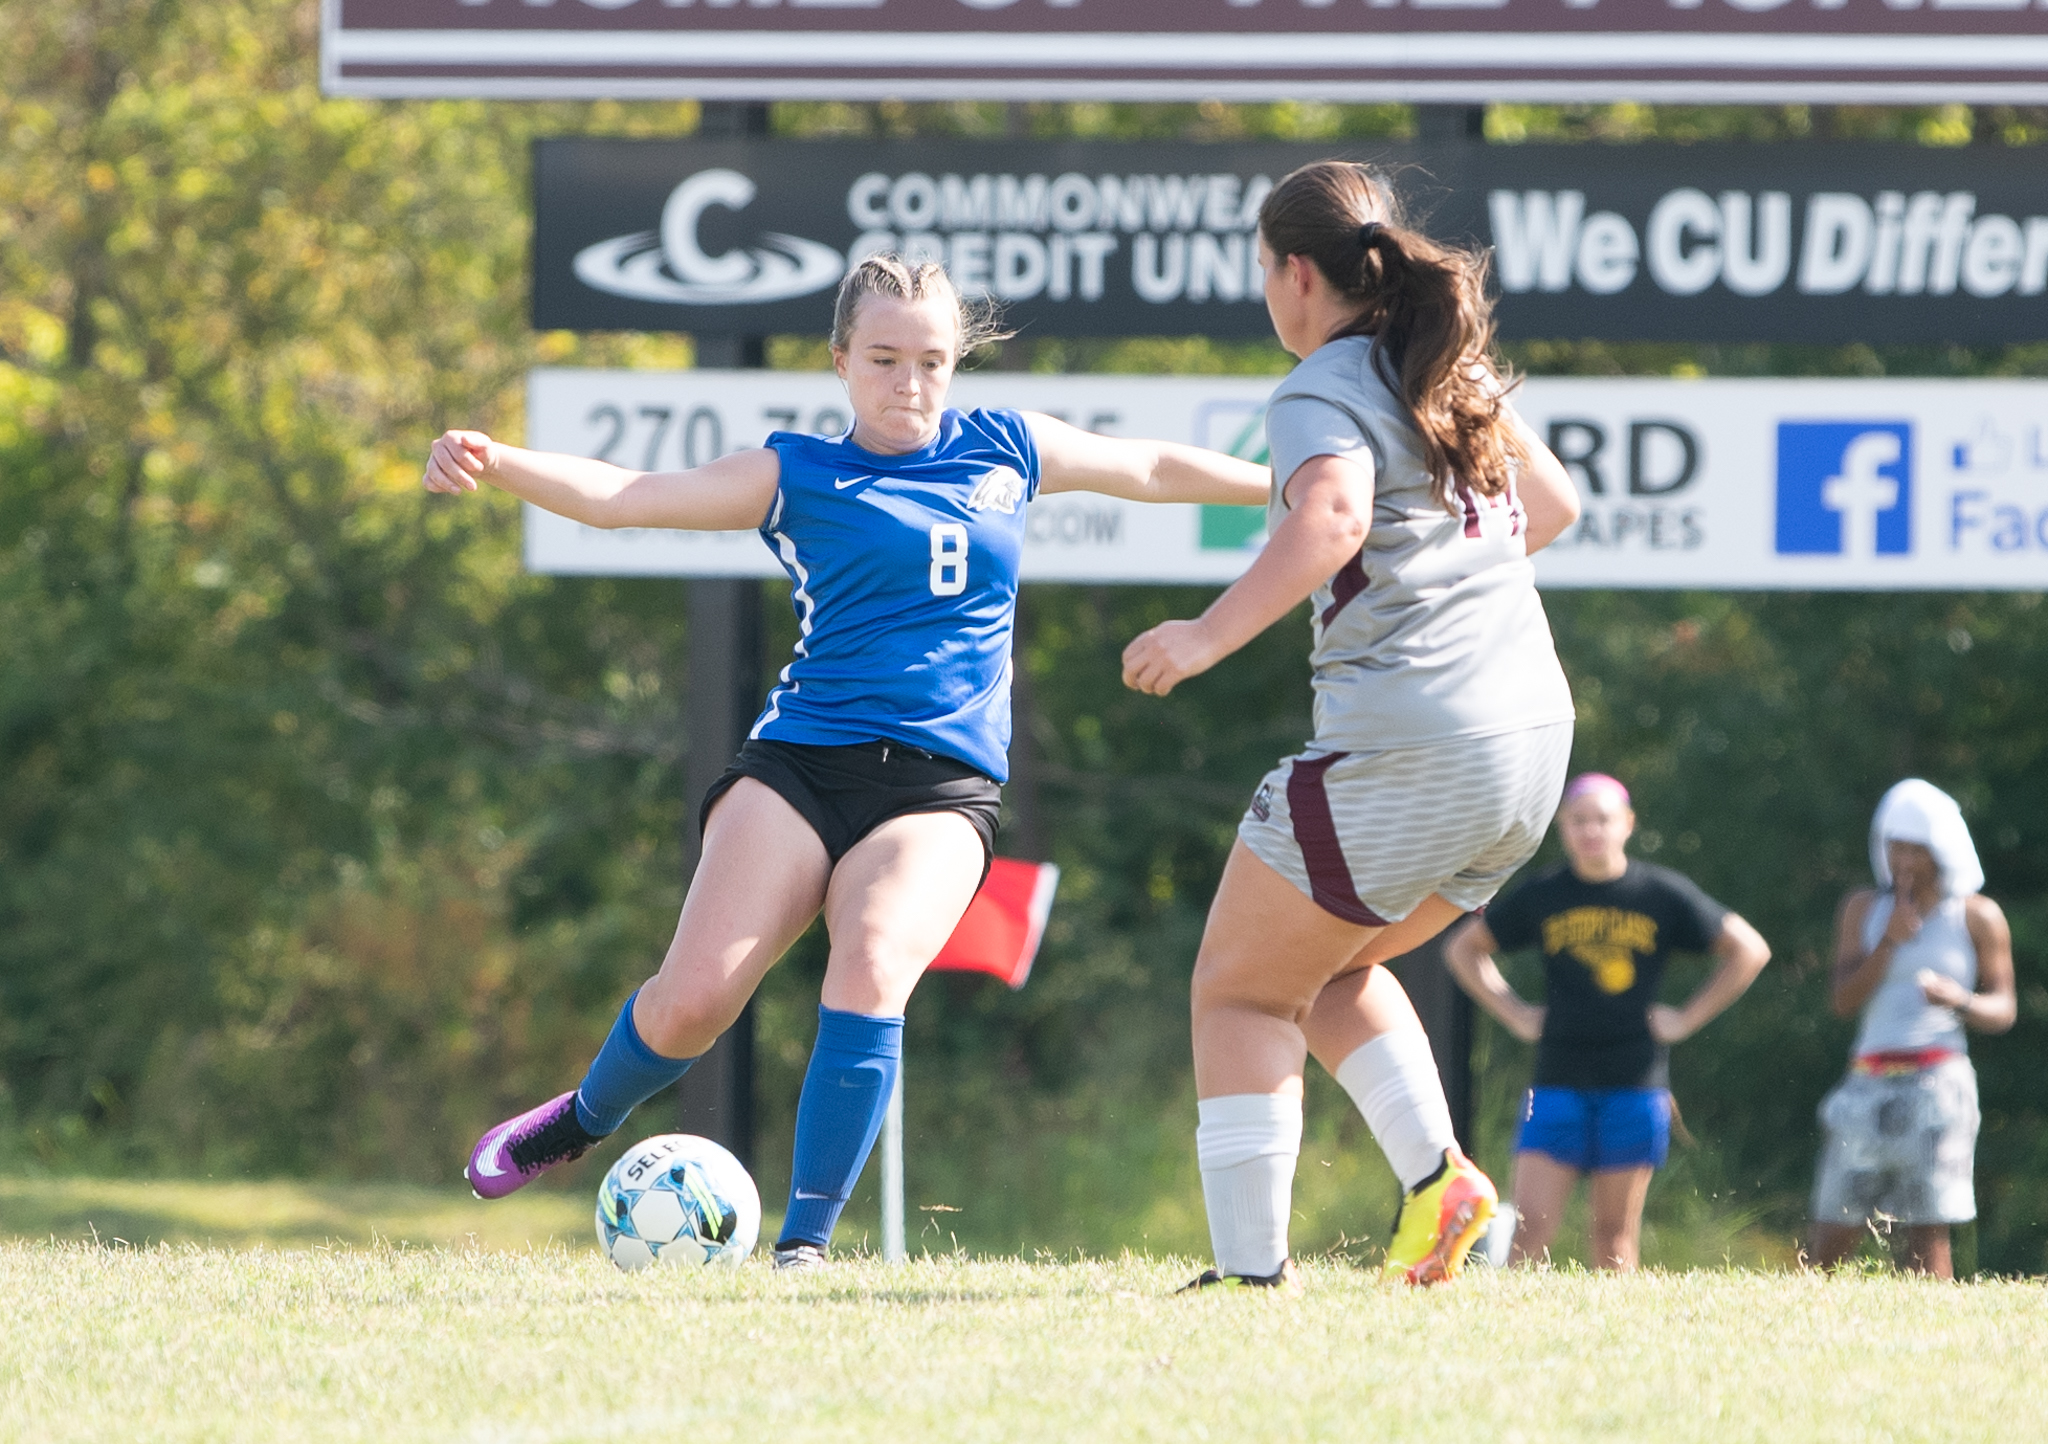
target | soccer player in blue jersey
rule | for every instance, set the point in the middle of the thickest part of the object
(869, 786)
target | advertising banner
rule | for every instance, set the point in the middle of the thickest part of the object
(1826, 243)
(1852, 485)
(653, 420)
(1888, 52)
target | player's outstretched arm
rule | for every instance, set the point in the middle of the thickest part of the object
(732, 493)
(1331, 510)
(1070, 459)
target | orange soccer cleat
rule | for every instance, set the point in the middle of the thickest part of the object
(1440, 1219)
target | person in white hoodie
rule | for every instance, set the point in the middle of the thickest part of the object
(1922, 956)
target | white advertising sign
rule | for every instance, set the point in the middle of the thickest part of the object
(657, 419)
(1856, 485)
(1848, 485)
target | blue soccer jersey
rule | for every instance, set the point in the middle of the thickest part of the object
(904, 578)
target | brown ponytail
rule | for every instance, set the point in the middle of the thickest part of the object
(1427, 305)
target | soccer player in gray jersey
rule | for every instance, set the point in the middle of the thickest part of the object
(1407, 497)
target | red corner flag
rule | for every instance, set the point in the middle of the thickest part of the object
(1002, 927)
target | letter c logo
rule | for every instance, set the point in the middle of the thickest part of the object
(686, 205)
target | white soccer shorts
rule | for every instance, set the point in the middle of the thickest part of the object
(1370, 835)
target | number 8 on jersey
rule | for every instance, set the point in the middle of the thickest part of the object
(949, 559)
(903, 576)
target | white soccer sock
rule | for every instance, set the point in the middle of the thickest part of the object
(1247, 1144)
(1394, 1082)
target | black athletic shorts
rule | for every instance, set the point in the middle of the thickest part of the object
(845, 793)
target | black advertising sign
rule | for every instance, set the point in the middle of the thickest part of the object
(1733, 51)
(1817, 243)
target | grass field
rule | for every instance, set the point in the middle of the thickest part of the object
(178, 1343)
(201, 1311)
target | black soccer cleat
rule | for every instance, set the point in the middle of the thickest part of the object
(800, 1257)
(1284, 1278)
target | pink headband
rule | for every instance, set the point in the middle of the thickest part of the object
(1587, 782)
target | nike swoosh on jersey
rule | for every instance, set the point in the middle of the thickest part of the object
(838, 485)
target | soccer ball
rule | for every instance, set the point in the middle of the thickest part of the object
(677, 1199)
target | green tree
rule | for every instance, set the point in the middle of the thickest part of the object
(314, 802)
(326, 834)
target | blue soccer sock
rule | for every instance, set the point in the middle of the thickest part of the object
(846, 1093)
(625, 1074)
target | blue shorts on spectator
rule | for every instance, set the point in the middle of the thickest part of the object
(1597, 1130)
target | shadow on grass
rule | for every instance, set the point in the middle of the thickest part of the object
(283, 1214)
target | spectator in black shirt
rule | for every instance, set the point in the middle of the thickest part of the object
(1600, 1104)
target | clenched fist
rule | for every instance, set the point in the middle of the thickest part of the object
(1161, 659)
(459, 458)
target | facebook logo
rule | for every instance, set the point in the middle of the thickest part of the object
(1845, 488)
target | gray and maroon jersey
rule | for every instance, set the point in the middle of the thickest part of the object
(1434, 629)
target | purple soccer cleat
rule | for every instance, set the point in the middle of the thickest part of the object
(521, 1149)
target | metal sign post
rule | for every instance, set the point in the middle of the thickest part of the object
(998, 935)
(893, 1248)
(721, 694)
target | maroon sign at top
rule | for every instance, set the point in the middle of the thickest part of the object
(1453, 51)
